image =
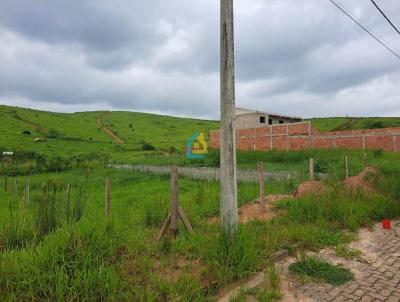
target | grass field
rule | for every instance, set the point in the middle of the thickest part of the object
(147, 137)
(49, 254)
(78, 133)
(53, 252)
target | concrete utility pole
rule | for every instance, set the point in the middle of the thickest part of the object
(229, 208)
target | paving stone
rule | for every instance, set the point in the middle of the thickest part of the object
(376, 281)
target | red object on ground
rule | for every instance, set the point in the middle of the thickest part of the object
(386, 224)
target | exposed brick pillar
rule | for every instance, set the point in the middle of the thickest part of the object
(270, 137)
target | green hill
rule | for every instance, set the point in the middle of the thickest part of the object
(354, 123)
(123, 135)
(67, 134)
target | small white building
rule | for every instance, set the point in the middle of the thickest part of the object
(246, 118)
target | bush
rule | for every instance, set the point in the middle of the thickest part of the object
(52, 133)
(57, 164)
(148, 147)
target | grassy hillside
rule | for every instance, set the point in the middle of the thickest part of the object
(354, 123)
(124, 136)
(79, 133)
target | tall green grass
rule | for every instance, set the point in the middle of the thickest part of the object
(131, 267)
(72, 265)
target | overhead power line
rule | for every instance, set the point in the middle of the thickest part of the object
(359, 23)
(383, 14)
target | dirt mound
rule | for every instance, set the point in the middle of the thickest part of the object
(310, 188)
(252, 211)
(361, 181)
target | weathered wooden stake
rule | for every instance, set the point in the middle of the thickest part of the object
(26, 191)
(289, 180)
(262, 184)
(68, 202)
(5, 183)
(312, 176)
(174, 201)
(346, 166)
(365, 160)
(176, 211)
(229, 207)
(16, 188)
(107, 201)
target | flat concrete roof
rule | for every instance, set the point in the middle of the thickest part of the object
(243, 111)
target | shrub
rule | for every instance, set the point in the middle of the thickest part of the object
(57, 164)
(52, 133)
(148, 147)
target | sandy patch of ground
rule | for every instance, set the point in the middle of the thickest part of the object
(360, 181)
(310, 188)
(172, 272)
(253, 211)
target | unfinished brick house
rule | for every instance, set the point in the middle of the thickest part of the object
(301, 136)
(246, 119)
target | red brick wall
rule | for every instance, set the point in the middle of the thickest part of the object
(300, 136)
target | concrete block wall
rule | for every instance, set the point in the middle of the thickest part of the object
(301, 136)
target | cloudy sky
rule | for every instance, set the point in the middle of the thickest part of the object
(297, 57)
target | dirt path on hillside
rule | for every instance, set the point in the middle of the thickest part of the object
(109, 132)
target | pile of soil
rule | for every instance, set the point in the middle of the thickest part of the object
(172, 272)
(310, 188)
(360, 181)
(252, 211)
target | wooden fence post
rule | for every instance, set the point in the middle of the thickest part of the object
(16, 188)
(176, 211)
(5, 183)
(262, 184)
(312, 177)
(365, 160)
(174, 201)
(26, 191)
(68, 203)
(346, 166)
(107, 201)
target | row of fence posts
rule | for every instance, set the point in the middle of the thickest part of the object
(26, 195)
(176, 212)
(346, 166)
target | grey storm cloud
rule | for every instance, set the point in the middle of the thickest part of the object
(297, 57)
